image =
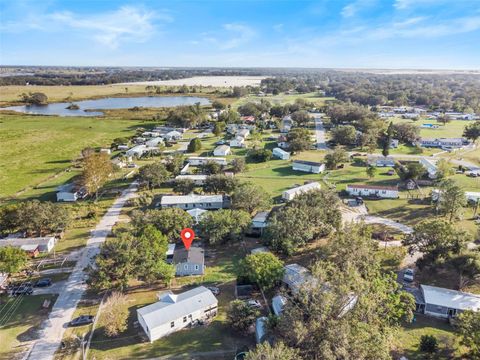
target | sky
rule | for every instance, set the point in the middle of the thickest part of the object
(426, 34)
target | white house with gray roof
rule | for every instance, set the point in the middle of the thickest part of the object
(174, 312)
(289, 194)
(189, 262)
(193, 201)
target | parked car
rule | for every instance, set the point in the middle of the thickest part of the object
(408, 275)
(254, 304)
(391, 172)
(215, 290)
(22, 290)
(82, 320)
(43, 282)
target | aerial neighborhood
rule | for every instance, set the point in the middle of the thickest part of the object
(321, 221)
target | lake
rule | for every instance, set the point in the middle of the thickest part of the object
(108, 103)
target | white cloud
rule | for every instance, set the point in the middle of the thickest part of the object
(126, 24)
(353, 8)
(408, 4)
(243, 34)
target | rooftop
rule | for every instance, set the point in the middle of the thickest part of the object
(306, 187)
(450, 298)
(304, 162)
(172, 307)
(190, 199)
(372, 187)
(193, 255)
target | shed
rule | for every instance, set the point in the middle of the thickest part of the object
(222, 150)
(281, 154)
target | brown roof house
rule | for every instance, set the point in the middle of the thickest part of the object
(189, 262)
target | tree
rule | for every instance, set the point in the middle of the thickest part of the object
(34, 98)
(250, 197)
(97, 168)
(229, 117)
(194, 145)
(467, 266)
(238, 165)
(154, 175)
(249, 109)
(220, 183)
(387, 140)
(131, 255)
(220, 226)
(115, 314)
(259, 155)
(239, 91)
(444, 119)
(335, 157)
(469, 329)
(344, 135)
(406, 133)
(411, 171)
(217, 105)
(444, 169)
(39, 218)
(119, 141)
(211, 168)
(184, 186)
(436, 239)
(301, 117)
(169, 221)
(299, 139)
(12, 259)
(264, 268)
(279, 351)
(428, 344)
(307, 217)
(472, 131)
(371, 171)
(174, 164)
(240, 316)
(218, 128)
(452, 199)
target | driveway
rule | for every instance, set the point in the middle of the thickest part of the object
(56, 288)
(320, 132)
(387, 222)
(53, 328)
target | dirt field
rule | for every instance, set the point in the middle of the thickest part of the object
(216, 81)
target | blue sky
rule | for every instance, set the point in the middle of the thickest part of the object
(437, 34)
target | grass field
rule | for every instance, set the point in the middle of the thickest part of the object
(283, 99)
(452, 129)
(35, 148)
(19, 320)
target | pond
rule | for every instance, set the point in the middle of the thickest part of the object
(60, 109)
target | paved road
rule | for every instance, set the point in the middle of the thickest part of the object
(320, 132)
(393, 224)
(53, 328)
(56, 288)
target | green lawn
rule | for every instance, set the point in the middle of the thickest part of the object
(408, 337)
(35, 148)
(19, 319)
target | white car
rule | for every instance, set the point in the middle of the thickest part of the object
(254, 304)
(408, 275)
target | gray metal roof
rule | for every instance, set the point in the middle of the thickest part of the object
(193, 255)
(450, 298)
(172, 307)
(190, 199)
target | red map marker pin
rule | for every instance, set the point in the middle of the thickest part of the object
(187, 236)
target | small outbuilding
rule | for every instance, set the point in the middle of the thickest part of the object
(222, 150)
(308, 166)
(281, 154)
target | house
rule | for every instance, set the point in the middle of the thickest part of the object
(296, 276)
(244, 133)
(430, 166)
(248, 119)
(429, 126)
(238, 141)
(222, 150)
(122, 147)
(286, 124)
(197, 214)
(173, 135)
(167, 129)
(137, 151)
(174, 312)
(200, 160)
(43, 244)
(443, 143)
(281, 154)
(394, 143)
(259, 222)
(386, 192)
(154, 142)
(189, 262)
(472, 196)
(70, 192)
(260, 249)
(380, 161)
(105, 151)
(169, 253)
(197, 179)
(289, 194)
(278, 303)
(193, 201)
(308, 166)
(260, 329)
(445, 303)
